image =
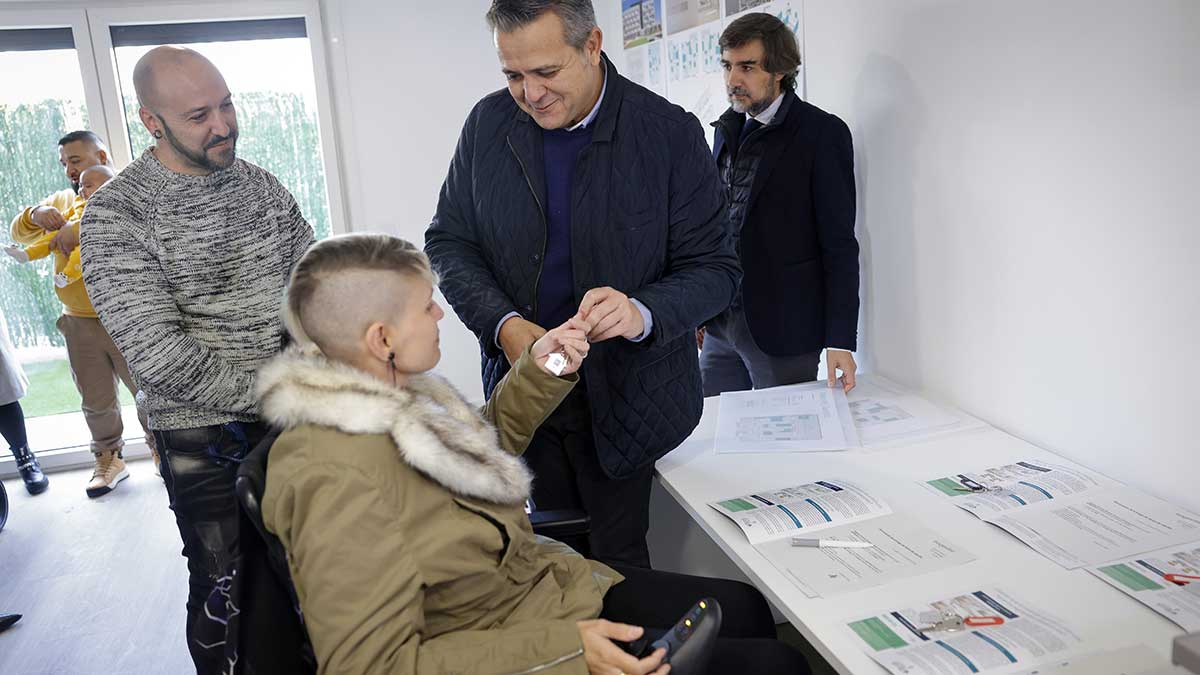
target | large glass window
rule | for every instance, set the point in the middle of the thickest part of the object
(41, 99)
(268, 67)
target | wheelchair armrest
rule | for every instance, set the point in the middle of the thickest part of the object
(560, 524)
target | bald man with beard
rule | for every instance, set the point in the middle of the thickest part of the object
(186, 255)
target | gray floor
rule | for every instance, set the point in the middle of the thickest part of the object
(100, 582)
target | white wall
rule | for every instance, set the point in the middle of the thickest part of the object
(405, 75)
(1029, 178)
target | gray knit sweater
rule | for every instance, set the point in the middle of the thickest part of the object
(187, 274)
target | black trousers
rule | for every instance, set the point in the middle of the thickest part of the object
(567, 475)
(747, 645)
(199, 467)
(12, 425)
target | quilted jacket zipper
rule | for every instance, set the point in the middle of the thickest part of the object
(545, 228)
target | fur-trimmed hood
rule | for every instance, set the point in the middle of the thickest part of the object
(434, 428)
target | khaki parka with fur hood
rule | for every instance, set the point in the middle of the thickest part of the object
(402, 511)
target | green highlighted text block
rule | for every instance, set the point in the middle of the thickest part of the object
(876, 634)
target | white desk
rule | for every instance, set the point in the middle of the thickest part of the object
(1103, 617)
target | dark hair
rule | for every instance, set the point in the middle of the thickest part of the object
(82, 135)
(578, 17)
(781, 54)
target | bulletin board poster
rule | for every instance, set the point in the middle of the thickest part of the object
(735, 7)
(646, 65)
(694, 76)
(684, 15)
(641, 21)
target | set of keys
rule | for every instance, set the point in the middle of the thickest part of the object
(557, 363)
(950, 622)
(973, 486)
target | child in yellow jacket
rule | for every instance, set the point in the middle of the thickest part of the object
(69, 269)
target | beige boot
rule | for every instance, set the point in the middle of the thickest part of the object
(110, 470)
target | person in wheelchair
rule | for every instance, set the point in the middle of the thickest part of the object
(401, 506)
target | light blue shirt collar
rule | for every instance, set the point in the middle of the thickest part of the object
(591, 117)
(767, 115)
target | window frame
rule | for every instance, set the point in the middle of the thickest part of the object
(24, 17)
(101, 19)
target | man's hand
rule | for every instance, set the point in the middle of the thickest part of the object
(65, 241)
(570, 339)
(48, 218)
(611, 314)
(837, 358)
(700, 339)
(516, 335)
(605, 658)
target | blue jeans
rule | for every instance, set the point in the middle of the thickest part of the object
(732, 361)
(199, 467)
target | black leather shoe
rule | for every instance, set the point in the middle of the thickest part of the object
(31, 472)
(8, 620)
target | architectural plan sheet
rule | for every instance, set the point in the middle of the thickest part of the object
(1167, 581)
(903, 548)
(1072, 516)
(811, 417)
(812, 507)
(1016, 636)
(884, 412)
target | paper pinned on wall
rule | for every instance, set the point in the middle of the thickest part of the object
(811, 417)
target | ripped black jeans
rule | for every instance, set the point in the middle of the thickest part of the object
(199, 467)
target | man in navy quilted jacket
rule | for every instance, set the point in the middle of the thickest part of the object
(578, 192)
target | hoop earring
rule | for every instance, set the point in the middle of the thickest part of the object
(392, 366)
(158, 133)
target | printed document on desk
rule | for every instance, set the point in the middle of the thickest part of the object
(1012, 486)
(905, 641)
(812, 417)
(1144, 577)
(1070, 515)
(1093, 528)
(807, 508)
(1135, 660)
(884, 411)
(903, 548)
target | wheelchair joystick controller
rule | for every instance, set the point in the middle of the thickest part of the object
(690, 643)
